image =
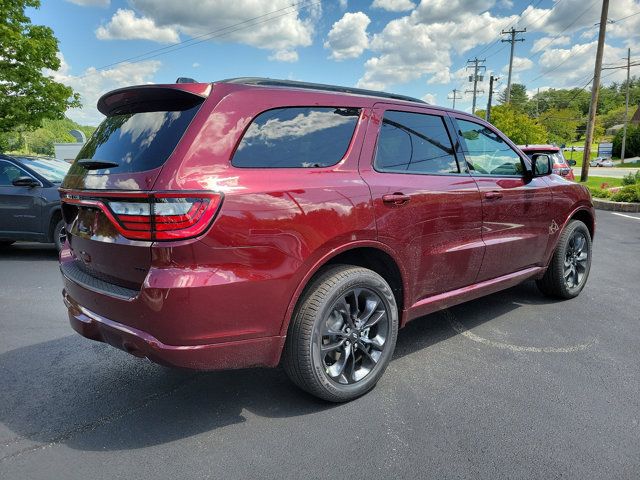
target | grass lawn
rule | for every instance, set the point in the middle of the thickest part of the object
(577, 155)
(596, 182)
(630, 164)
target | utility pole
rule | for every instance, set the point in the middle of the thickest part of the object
(513, 32)
(626, 107)
(475, 78)
(455, 96)
(487, 115)
(584, 176)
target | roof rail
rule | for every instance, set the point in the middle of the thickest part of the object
(272, 82)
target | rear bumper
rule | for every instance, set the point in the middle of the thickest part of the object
(254, 352)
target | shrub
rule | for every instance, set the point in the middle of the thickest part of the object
(631, 178)
(630, 193)
(598, 193)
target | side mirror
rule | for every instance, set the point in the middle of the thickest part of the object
(571, 162)
(25, 181)
(541, 164)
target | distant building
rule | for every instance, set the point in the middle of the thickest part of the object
(69, 151)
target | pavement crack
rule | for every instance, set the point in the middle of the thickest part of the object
(88, 427)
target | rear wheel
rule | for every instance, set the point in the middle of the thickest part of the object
(570, 265)
(59, 235)
(343, 334)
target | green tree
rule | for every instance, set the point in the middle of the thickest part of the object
(561, 124)
(27, 95)
(631, 146)
(519, 127)
(519, 99)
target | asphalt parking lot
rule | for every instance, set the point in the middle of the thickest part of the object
(509, 386)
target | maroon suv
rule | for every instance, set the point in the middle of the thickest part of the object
(250, 222)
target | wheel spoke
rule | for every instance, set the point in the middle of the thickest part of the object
(337, 369)
(368, 355)
(330, 347)
(374, 342)
(375, 318)
(370, 306)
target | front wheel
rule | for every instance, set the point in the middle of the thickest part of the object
(343, 334)
(570, 265)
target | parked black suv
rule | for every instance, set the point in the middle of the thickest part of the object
(29, 199)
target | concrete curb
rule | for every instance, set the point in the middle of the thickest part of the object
(602, 204)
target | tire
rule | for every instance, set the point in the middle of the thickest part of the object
(569, 269)
(321, 320)
(6, 243)
(59, 235)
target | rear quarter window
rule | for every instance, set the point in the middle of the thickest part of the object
(297, 137)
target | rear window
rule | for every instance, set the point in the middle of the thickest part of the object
(136, 141)
(302, 137)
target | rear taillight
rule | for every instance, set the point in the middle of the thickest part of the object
(155, 215)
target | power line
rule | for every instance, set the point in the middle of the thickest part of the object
(584, 12)
(220, 32)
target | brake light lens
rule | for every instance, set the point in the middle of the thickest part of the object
(157, 216)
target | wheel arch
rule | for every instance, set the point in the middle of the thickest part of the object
(585, 216)
(373, 255)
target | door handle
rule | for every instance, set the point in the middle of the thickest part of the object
(493, 195)
(396, 198)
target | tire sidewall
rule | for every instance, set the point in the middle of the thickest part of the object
(372, 281)
(562, 251)
(56, 234)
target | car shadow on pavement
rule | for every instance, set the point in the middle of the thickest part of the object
(90, 396)
(29, 251)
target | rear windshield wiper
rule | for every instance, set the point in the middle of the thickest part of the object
(91, 164)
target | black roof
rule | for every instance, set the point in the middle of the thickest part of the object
(272, 82)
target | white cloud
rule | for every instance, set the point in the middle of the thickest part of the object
(286, 29)
(195, 65)
(92, 84)
(432, 43)
(284, 56)
(348, 36)
(519, 64)
(431, 11)
(91, 3)
(430, 98)
(124, 25)
(577, 64)
(569, 16)
(393, 5)
(543, 43)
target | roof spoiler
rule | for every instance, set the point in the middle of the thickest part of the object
(153, 98)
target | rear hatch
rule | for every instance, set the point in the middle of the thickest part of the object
(112, 215)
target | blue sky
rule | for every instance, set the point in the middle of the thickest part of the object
(414, 47)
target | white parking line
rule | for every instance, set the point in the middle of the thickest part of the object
(627, 216)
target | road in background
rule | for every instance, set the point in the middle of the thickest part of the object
(513, 385)
(614, 172)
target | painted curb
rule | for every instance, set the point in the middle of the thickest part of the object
(601, 204)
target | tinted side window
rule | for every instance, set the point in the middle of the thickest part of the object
(302, 137)
(414, 143)
(486, 152)
(9, 172)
